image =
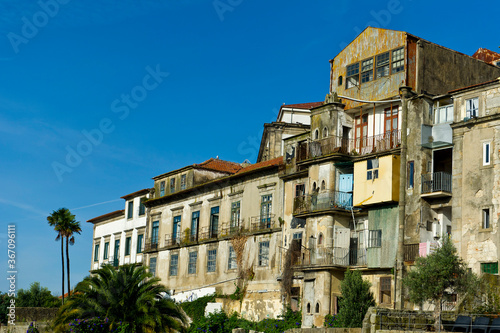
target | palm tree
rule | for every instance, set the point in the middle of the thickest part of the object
(56, 220)
(127, 295)
(69, 228)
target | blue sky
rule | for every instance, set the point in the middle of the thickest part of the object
(205, 75)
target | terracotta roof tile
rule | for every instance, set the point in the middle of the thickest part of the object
(274, 162)
(303, 105)
(486, 55)
(116, 213)
(219, 165)
(474, 86)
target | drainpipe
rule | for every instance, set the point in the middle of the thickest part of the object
(405, 93)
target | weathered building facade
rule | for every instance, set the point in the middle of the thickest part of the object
(369, 179)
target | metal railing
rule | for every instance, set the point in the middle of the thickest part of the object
(336, 256)
(231, 229)
(208, 233)
(359, 146)
(322, 201)
(173, 239)
(410, 252)
(260, 223)
(151, 245)
(435, 182)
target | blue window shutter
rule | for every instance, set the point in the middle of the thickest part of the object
(346, 182)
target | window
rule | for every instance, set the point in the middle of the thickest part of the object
(266, 209)
(374, 238)
(211, 260)
(214, 222)
(398, 60)
(106, 250)
(411, 169)
(340, 80)
(183, 182)
(325, 132)
(361, 131)
(193, 256)
(264, 253)
(486, 218)
(489, 267)
(152, 266)
(486, 153)
(231, 262)
(320, 239)
(117, 249)
(316, 134)
(176, 229)
(154, 232)
(235, 214)
(352, 77)
(472, 107)
(96, 252)
(172, 185)
(391, 120)
(162, 189)
(372, 169)
(195, 223)
(297, 235)
(174, 263)
(317, 307)
(367, 70)
(444, 114)
(139, 243)
(429, 226)
(448, 230)
(382, 65)
(142, 208)
(128, 242)
(300, 190)
(385, 290)
(323, 185)
(130, 209)
(308, 307)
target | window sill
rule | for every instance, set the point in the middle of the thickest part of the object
(486, 229)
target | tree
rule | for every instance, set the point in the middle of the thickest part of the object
(355, 301)
(65, 225)
(441, 273)
(127, 295)
(37, 296)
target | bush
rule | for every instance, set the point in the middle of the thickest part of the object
(96, 325)
(329, 321)
(196, 309)
(32, 329)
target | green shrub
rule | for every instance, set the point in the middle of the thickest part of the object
(329, 320)
(196, 309)
(96, 325)
(32, 329)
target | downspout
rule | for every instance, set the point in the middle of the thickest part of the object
(405, 93)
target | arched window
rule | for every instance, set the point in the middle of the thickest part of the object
(320, 238)
(314, 186)
(323, 185)
(308, 307)
(316, 134)
(325, 132)
(317, 307)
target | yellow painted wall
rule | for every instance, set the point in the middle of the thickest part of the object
(385, 188)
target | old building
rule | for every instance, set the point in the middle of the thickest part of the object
(369, 179)
(476, 175)
(370, 186)
(119, 236)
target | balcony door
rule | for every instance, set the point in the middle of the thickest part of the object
(391, 124)
(361, 132)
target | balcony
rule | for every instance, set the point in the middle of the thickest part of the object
(262, 223)
(173, 239)
(323, 201)
(209, 234)
(410, 252)
(231, 229)
(336, 256)
(339, 145)
(151, 245)
(114, 261)
(436, 185)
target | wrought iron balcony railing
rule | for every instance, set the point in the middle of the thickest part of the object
(173, 239)
(359, 146)
(336, 256)
(151, 244)
(322, 201)
(262, 222)
(436, 182)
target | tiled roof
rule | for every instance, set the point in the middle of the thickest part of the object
(219, 165)
(135, 194)
(116, 213)
(274, 162)
(303, 105)
(486, 55)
